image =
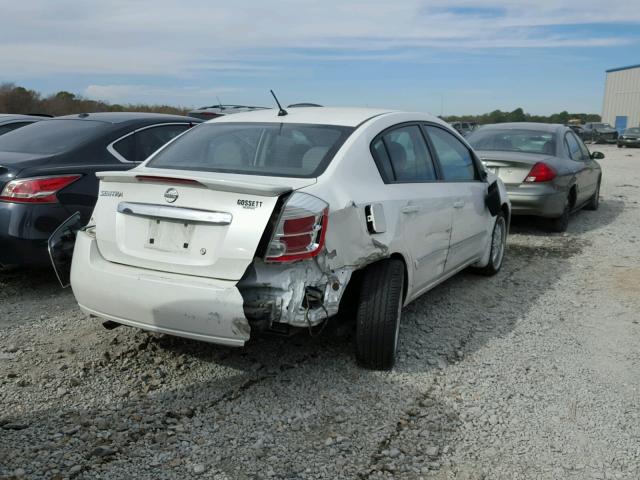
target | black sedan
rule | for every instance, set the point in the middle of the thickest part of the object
(10, 122)
(47, 172)
(629, 138)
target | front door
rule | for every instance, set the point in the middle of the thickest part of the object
(586, 181)
(471, 219)
(424, 204)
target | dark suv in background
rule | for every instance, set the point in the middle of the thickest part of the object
(598, 133)
(47, 172)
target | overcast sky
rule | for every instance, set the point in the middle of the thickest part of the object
(442, 56)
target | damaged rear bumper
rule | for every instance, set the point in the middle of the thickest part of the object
(299, 295)
(193, 307)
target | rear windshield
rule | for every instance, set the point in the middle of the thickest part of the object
(508, 140)
(271, 149)
(51, 136)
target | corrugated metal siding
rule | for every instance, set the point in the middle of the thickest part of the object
(622, 97)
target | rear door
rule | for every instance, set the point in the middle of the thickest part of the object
(471, 219)
(408, 169)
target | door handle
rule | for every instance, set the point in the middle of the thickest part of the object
(458, 204)
(410, 209)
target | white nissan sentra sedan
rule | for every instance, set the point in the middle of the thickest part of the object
(261, 220)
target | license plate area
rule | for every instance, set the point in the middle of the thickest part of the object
(169, 236)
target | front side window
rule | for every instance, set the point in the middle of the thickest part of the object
(574, 149)
(410, 159)
(271, 149)
(455, 158)
(583, 148)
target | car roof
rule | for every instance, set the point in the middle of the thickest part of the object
(121, 117)
(345, 116)
(541, 127)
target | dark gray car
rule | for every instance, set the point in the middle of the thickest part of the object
(547, 169)
(599, 133)
(629, 138)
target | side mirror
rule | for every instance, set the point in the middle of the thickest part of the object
(597, 155)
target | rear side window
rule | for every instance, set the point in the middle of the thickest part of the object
(138, 146)
(409, 158)
(126, 147)
(151, 139)
(271, 149)
(455, 158)
(49, 137)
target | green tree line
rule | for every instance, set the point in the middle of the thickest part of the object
(16, 99)
(519, 115)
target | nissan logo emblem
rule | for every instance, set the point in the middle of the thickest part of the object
(171, 195)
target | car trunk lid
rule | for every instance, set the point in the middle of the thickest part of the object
(195, 223)
(12, 163)
(511, 167)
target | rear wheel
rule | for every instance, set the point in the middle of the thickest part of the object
(594, 203)
(379, 311)
(498, 246)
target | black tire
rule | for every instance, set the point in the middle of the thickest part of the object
(560, 224)
(496, 256)
(594, 203)
(378, 318)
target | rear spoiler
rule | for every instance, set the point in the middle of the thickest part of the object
(225, 185)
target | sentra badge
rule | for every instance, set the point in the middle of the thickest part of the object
(110, 193)
(171, 195)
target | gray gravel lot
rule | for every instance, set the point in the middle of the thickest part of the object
(533, 373)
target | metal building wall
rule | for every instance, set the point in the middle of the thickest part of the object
(622, 96)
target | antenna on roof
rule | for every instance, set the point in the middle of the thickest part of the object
(219, 103)
(282, 112)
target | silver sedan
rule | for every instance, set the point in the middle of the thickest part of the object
(547, 169)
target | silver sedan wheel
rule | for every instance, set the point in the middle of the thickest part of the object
(498, 241)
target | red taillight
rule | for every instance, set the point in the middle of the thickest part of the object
(171, 180)
(36, 189)
(541, 172)
(301, 229)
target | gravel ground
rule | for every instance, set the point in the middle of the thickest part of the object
(532, 373)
